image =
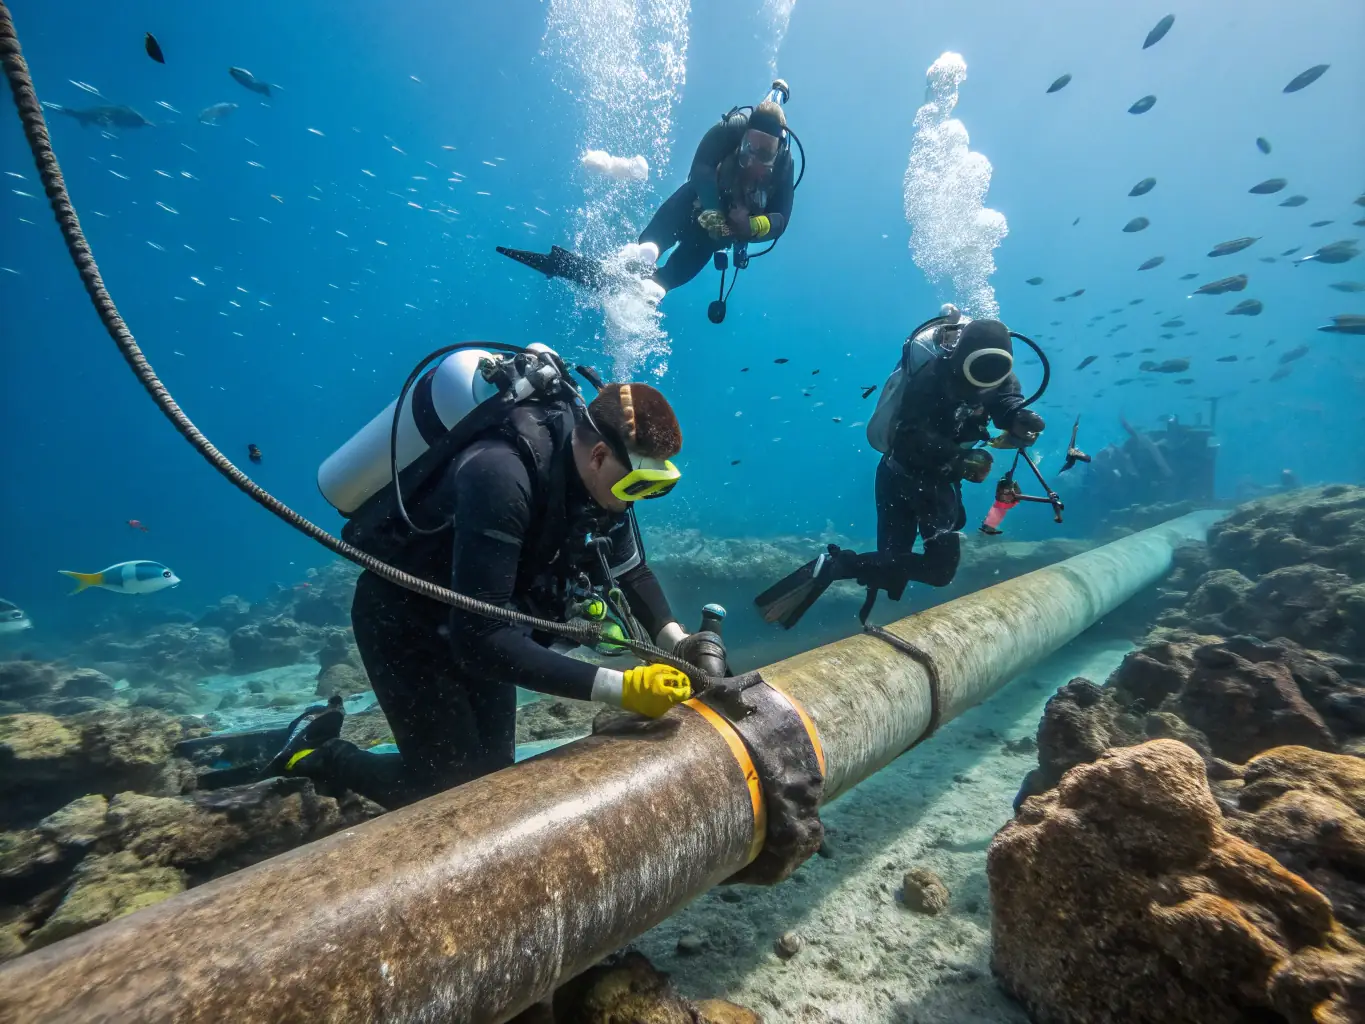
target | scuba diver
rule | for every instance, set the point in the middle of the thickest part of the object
(522, 498)
(739, 190)
(955, 374)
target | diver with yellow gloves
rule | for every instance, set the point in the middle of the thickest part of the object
(532, 510)
(955, 374)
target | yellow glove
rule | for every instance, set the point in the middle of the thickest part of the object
(651, 690)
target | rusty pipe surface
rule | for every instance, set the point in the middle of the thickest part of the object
(473, 904)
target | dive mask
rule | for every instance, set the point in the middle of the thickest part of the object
(759, 149)
(648, 478)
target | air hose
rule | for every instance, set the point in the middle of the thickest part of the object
(49, 171)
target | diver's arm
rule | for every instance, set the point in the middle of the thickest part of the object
(718, 143)
(778, 213)
(1004, 402)
(492, 504)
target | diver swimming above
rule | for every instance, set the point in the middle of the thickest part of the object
(740, 189)
(530, 509)
(954, 375)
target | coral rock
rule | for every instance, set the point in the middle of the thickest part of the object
(80, 823)
(23, 680)
(623, 988)
(272, 643)
(924, 891)
(1121, 897)
(229, 613)
(104, 888)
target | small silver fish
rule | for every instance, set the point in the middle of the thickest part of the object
(216, 113)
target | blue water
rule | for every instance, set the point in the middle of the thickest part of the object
(85, 450)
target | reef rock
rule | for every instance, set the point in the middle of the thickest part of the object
(168, 654)
(271, 643)
(1319, 525)
(626, 989)
(229, 613)
(104, 888)
(1122, 896)
(46, 762)
(552, 718)
(21, 681)
(924, 891)
(340, 668)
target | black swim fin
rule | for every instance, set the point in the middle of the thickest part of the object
(786, 601)
(559, 262)
(313, 728)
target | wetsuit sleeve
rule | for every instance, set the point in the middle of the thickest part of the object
(718, 143)
(1005, 401)
(492, 502)
(779, 209)
(923, 448)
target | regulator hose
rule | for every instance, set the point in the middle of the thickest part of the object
(50, 173)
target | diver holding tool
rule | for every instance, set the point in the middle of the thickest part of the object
(955, 375)
(740, 190)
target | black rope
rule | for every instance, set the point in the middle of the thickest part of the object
(930, 668)
(49, 171)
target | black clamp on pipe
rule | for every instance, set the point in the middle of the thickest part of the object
(786, 754)
(930, 669)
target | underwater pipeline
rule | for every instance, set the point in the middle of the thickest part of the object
(476, 903)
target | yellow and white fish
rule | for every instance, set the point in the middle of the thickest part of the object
(126, 578)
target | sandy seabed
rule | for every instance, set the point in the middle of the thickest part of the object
(866, 959)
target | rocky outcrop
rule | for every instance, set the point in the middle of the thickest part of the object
(1123, 895)
(626, 989)
(169, 654)
(270, 643)
(46, 762)
(1292, 566)
(52, 688)
(340, 669)
(98, 859)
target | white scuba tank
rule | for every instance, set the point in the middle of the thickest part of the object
(918, 352)
(442, 396)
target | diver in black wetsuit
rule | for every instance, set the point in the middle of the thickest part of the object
(740, 189)
(539, 506)
(926, 423)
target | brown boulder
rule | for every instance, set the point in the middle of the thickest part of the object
(104, 888)
(626, 989)
(1121, 897)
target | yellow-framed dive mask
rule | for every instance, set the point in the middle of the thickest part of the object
(648, 478)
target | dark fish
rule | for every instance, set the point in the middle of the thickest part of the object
(1297, 352)
(104, 117)
(1270, 342)
(1169, 366)
(1185, 380)
(250, 81)
(1291, 252)
(1295, 201)
(779, 361)
(1188, 277)
(1086, 362)
(1263, 144)
(1347, 286)
(1320, 223)
(1060, 298)
(1306, 79)
(1227, 359)
(1143, 105)
(1054, 323)
(1060, 84)
(1359, 200)
(1146, 351)
(1077, 293)
(1346, 323)
(1034, 280)
(1359, 223)
(153, 49)
(838, 419)
(1223, 285)
(1177, 322)
(814, 372)
(1075, 222)
(1281, 373)
(1136, 302)
(1236, 245)
(734, 462)
(1143, 187)
(868, 389)
(1234, 337)
(1268, 187)
(1167, 337)
(1122, 381)
(1247, 307)
(254, 454)
(743, 369)
(1155, 261)
(1162, 27)
(1268, 259)
(1122, 355)
(1336, 252)
(1136, 224)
